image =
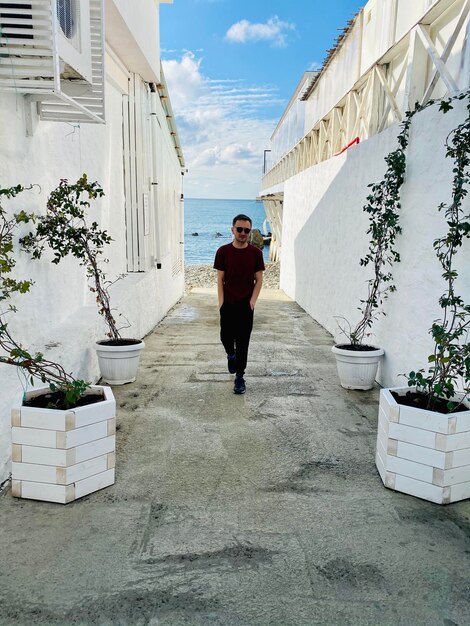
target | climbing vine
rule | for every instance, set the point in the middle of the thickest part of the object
(383, 206)
(449, 364)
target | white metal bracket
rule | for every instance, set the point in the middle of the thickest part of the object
(31, 116)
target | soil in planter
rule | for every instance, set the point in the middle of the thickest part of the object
(56, 400)
(420, 401)
(359, 347)
(119, 342)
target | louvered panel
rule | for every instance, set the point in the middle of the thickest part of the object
(97, 56)
(8, 22)
(63, 108)
(34, 87)
(89, 103)
(27, 8)
(27, 62)
(70, 114)
(31, 62)
(10, 16)
(18, 44)
(12, 29)
(87, 97)
(33, 13)
(30, 73)
(30, 52)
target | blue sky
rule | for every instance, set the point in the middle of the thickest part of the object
(232, 67)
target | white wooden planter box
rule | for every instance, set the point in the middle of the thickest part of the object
(59, 456)
(423, 453)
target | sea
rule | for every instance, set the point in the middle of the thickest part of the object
(212, 221)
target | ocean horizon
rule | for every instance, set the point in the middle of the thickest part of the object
(212, 219)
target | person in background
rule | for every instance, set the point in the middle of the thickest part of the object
(240, 269)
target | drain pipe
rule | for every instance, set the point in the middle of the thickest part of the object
(154, 100)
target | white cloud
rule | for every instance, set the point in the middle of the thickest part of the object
(223, 80)
(223, 128)
(273, 30)
(186, 81)
(234, 154)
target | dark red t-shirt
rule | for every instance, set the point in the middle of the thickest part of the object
(240, 266)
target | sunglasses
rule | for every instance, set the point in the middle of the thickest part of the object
(243, 230)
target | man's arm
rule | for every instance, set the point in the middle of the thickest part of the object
(220, 286)
(257, 289)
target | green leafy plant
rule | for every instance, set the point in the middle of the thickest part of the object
(65, 230)
(383, 206)
(34, 364)
(450, 361)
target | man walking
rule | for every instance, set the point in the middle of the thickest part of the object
(240, 269)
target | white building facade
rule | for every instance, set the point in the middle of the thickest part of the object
(82, 91)
(392, 54)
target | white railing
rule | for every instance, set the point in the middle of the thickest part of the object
(430, 61)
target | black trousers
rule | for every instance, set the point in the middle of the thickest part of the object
(236, 324)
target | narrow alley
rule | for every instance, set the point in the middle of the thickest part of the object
(254, 510)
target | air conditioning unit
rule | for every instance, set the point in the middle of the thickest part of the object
(53, 50)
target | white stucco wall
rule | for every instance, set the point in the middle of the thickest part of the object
(59, 317)
(324, 236)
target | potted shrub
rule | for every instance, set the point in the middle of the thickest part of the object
(423, 440)
(63, 434)
(357, 361)
(65, 230)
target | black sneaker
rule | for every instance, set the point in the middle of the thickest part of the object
(232, 363)
(239, 386)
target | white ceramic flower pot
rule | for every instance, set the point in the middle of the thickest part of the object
(357, 369)
(60, 456)
(421, 452)
(119, 364)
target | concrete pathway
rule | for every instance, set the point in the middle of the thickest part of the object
(255, 510)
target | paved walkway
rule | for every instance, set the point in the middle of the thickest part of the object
(255, 510)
